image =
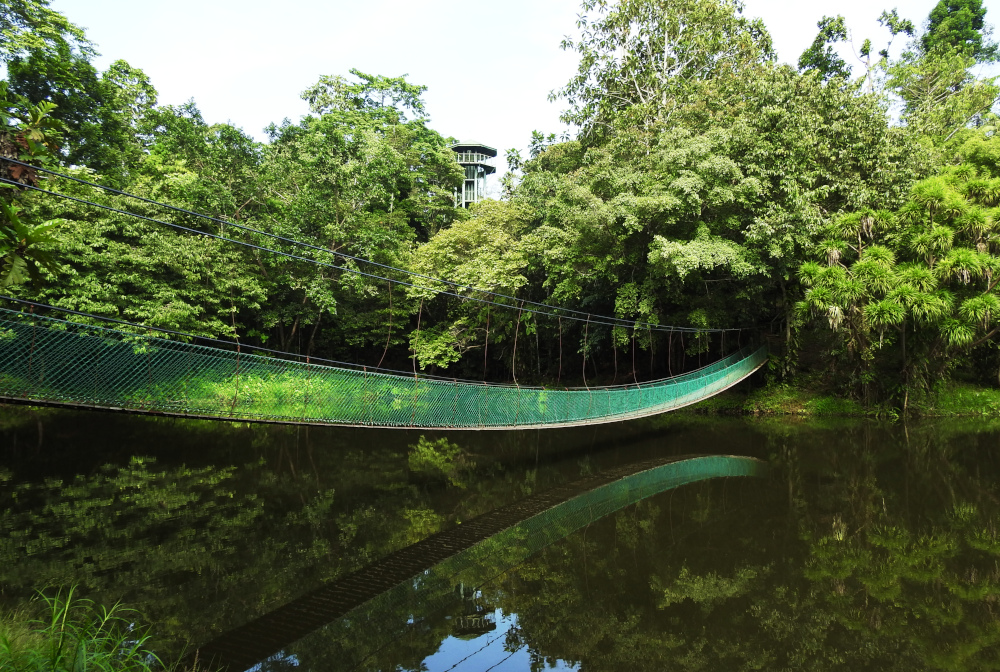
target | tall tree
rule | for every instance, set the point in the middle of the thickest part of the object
(911, 292)
(31, 25)
(102, 112)
(363, 175)
(940, 94)
(959, 25)
(387, 97)
(642, 56)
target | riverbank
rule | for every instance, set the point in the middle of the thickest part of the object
(806, 397)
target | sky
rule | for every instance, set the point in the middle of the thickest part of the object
(488, 66)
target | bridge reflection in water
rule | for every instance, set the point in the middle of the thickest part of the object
(436, 572)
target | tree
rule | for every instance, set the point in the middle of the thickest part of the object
(129, 104)
(28, 26)
(22, 247)
(484, 252)
(959, 25)
(30, 136)
(641, 57)
(359, 176)
(703, 221)
(912, 291)
(101, 113)
(940, 97)
(387, 97)
(820, 56)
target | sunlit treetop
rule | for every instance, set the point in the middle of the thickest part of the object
(959, 25)
(31, 26)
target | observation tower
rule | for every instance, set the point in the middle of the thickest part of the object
(477, 160)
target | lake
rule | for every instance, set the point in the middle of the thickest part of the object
(867, 546)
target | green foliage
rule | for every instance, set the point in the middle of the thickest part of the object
(359, 178)
(18, 242)
(75, 635)
(639, 58)
(129, 269)
(940, 97)
(31, 26)
(29, 136)
(805, 396)
(483, 252)
(391, 96)
(820, 56)
(705, 590)
(959, 399)
(913, 289)
(106, 116)
(959, 25)
(710, 214)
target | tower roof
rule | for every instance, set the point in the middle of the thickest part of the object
(472, 146)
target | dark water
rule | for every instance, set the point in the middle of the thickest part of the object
(869, 547)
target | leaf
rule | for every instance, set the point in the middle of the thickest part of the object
(13, 270)
(80, 659)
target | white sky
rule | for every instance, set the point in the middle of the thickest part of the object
(489, 66)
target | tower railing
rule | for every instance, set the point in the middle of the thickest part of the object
(472, 157)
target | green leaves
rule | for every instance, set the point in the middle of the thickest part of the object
(958, 334)
(32, 26)
(885, 313)
(706, 590)
(927, 274)
(77, 635)
(917, 276)
(640, 58)
(940, 97)
(961, 264)
(22, 247)
(440, 460)
(704, 253)
(372, 95)
(959, 25)
(821, 57)
(486, 252)
(983, 309)
(933, 243)
(361, 179)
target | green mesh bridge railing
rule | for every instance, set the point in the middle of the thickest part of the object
(52, 361)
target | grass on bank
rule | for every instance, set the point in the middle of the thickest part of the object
(806, 397)
(66, 633)
(962, 400)
(799, 398)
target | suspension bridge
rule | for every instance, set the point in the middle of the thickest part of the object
(106, 364)
(51, 361)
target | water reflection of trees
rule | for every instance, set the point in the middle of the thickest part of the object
(874, 548)
(206, 525)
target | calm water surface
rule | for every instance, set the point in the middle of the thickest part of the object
(869, 546)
